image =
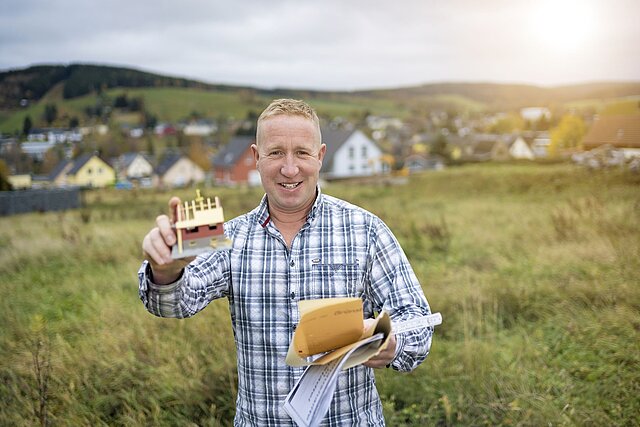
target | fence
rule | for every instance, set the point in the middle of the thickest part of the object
(17, 202)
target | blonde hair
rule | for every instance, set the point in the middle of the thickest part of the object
(288, 107)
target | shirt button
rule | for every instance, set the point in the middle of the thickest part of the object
(292, 263)
(293, 295)
(293, 328)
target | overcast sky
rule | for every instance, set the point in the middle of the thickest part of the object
(333, 44)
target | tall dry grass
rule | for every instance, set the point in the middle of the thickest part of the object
(534, 268)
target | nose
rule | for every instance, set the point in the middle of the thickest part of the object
(289, 167)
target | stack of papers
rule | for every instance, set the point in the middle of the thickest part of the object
(329, 338)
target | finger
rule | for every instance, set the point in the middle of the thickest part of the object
(165, 230)
(162, 248)
(174, 202)
(375, 363)
(149, 249)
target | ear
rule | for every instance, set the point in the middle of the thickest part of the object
(256, 153)
(321, 153)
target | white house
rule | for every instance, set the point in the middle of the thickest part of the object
(132, 166)
(55, 135)
(200, 128)
(177, 170)
(36, 149)
(533, 114)
(540, 145)
(519, 149)
(350, 153)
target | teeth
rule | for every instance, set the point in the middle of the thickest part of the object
(290, 186)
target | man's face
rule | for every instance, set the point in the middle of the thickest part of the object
(289, 155)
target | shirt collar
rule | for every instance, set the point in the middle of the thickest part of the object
(262, 212)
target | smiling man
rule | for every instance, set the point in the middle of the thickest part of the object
(297, 244)
(289, 155)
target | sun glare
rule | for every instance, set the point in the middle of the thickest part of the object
(563, 25)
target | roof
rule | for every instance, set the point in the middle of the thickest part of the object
(128, 158)
(619, 131)
(333, 139)
(167, 163)
(232, 152)
(484, 146)
(60, 167)
(79, 162)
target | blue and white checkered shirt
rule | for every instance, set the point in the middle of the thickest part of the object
(341, 251)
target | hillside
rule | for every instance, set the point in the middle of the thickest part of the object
(80, 79)
(73, 88)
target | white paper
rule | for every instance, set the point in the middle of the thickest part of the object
(417, 323)
(309, 400)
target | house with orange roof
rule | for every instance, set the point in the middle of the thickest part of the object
(620, 132)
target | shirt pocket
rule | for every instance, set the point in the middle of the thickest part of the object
(337, 280)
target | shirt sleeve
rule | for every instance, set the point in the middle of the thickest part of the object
(202, 281)
(395, 289)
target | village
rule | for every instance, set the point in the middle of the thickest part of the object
(380, 146)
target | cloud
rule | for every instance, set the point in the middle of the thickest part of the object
(326, 45)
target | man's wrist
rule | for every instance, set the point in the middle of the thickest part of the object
(162, 278)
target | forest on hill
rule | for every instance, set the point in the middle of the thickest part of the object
(33, 83)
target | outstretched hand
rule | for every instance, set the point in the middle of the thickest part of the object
(156, 247)
(386, 355)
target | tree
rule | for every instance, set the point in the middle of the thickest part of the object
(150, 120)
(51, 159)
(5, 185)
(567, 135)
(50, 113)
(121, 101)
(74, 122)
(507, 124)
(27, 125)
(440, 146)
(199, 154)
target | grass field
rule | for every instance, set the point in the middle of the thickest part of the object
(535, 269)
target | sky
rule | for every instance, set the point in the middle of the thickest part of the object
(333, 44)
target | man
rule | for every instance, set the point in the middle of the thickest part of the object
(297, 244)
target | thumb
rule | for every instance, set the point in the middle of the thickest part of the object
(174, 204)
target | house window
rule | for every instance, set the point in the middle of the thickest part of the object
(364, 151)
(351, 152)
(89, 171)
(352, 168)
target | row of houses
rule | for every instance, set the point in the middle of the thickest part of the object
(620, 132)
(350, 153)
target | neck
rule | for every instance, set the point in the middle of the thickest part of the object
(289, 218)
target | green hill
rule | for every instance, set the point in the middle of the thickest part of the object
(75, 88)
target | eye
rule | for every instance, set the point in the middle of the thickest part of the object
(276, 153)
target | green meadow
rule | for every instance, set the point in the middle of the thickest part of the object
(535, 269)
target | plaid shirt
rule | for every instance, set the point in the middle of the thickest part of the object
(341, 251)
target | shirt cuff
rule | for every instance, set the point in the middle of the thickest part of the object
(400, 343)
(161, 289)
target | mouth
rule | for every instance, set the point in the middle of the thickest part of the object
(290, 186)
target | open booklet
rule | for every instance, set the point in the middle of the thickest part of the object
(331, 337)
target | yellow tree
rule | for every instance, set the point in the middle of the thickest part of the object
(4, 176)
(567, 135)
(199, 154)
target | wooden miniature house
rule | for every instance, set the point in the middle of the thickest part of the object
(199, 227)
